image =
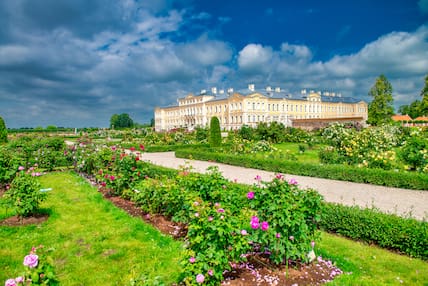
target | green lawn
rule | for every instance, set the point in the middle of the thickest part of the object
(98, 244)
(95, 243)
(308, 156)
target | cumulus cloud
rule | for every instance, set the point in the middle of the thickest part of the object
(254, 58)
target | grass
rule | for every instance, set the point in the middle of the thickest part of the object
(370, 265)
(98, 244)
(309, 156)
(95, 243)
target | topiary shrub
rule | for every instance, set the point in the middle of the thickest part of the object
(215, 133)
(3, 131)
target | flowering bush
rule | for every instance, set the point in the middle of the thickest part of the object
(286, 220)
(38, 271)
(215, 238)
(24, 194)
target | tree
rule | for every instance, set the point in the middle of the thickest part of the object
(381, 109)
(423, 109)
(413, 110)
(3, 131)
(215, 133)
(121, 121)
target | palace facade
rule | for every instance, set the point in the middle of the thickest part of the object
(235, 109)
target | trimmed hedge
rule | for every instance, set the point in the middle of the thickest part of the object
(406, 235)
(407, 180)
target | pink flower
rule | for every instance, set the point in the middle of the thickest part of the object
(291, 238)
(313, 244)
(244, 232)
(210, 272)
(192, 259)
(265, 225)
(292, 181)
(21, 168)
(278, 235)
(210, 218)
(200, 278)
(196, 214)
(258, 178)
(103, 184)
(112, 178)
(142, 147)
(132, 148)
(137, 158)
(113, 148)
(10, 282)
(220, 210)
(31, 260)
(250, 195)
(217, 204)
(196, 204)
(19, 279)
(279, 176)
(254, 222)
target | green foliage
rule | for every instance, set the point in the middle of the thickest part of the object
(24, 195)
(413, 110)
(415, 152)
(3, 131)
(274, 132)
(380, 108)
(215, 132)
(121, 121)
(409, 236)
(290, 216)
(246, 132)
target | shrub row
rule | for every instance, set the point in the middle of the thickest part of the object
(406, 235)
(407, 180)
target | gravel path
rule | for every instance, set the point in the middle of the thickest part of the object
(391, 200)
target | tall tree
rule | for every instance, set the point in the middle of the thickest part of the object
(380, 108)
(423, 108)
(121, 121)
(3, 131)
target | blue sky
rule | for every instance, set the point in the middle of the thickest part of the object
(74, 63)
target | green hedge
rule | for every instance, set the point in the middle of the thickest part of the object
(407, 180)
(406, 235)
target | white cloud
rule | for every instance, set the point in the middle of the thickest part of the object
(255, 58)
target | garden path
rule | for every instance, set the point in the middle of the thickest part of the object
(402, 202)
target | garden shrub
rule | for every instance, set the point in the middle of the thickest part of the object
(24, 194)
(286, 219)
(215, 132)
(3, 131)
(414, 153)
(406, 235)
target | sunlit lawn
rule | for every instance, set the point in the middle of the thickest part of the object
(95, 243)
(310, 155)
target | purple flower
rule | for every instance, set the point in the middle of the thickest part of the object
(210, 272)
(200, 278)
(220, 210)
(279, 176)
(258, 178)
(244, 232)
(192, 259)
(250, 195)
(278, 235)
(265, 225)
(292, 181)
(31, 260)
(20, 168)
(10, 282)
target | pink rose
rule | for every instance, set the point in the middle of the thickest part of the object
(210, 272)
(250, 195)
(200, 278)
(265, 225)
(10, 282)
(192, 259)
(31, 260)
(21, 168)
